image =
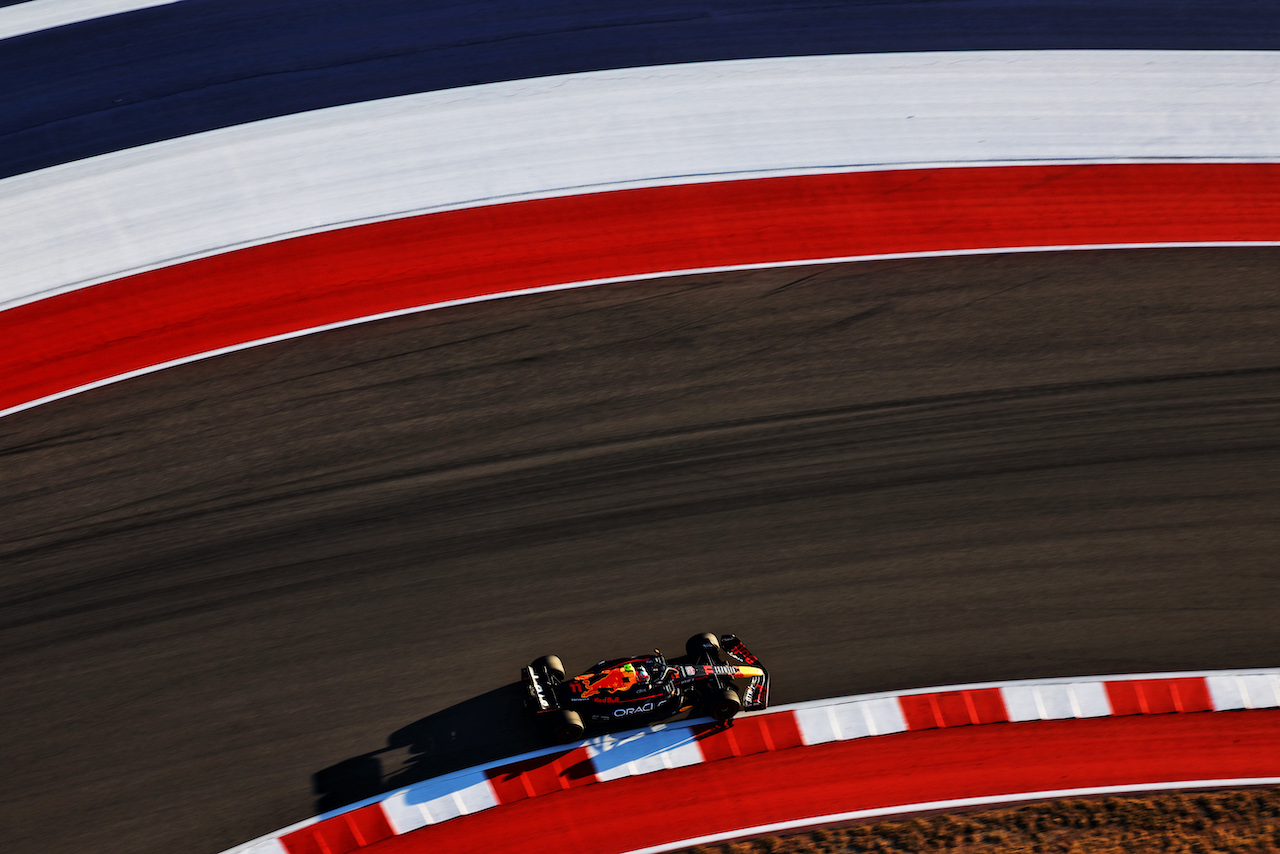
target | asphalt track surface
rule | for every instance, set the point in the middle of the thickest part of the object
(223, 578)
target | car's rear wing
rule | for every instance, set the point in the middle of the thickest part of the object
(756, 696)
(738, 649)
(541, 697)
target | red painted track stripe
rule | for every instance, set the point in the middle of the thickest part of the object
(940, 764)
(1158, 696)
(92, 334)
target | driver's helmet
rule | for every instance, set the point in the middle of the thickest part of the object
(639, 671)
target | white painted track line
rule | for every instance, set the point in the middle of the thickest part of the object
(37, 15)
(160, 366)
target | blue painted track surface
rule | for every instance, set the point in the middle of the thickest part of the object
(113, 83)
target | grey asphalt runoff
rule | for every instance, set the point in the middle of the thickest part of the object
(221, 579)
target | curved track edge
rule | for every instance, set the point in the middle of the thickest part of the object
(668, 747)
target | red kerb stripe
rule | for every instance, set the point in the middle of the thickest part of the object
(1159, 696)
(953, 708)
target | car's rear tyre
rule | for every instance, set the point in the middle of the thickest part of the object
(726, 704)
(550, 664)
(705, 643)
(567, 726)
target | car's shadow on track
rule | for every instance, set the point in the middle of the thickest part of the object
(484, 728)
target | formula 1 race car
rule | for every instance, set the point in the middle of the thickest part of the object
(717, 676)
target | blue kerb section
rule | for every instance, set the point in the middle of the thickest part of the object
(637, 746)
(125, 80)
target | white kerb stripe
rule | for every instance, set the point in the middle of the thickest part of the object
(36, 15)
(125, 212)
(268, 846)
(1056, 702)
(1245, 691)
(859, 719)
(434, 801)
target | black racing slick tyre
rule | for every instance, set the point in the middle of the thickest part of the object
(552, 665)
(726, 704)
(703, 644)
(567, 727)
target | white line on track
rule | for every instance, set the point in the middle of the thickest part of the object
(151, 369)
(37, 15)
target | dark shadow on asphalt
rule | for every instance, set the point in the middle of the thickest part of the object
(491, 726)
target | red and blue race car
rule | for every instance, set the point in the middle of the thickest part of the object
(717, 677)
